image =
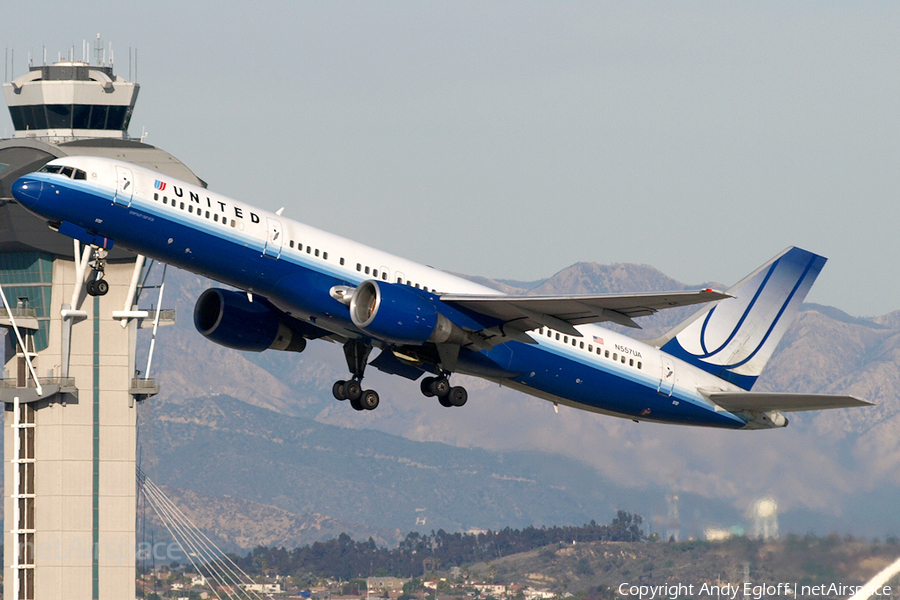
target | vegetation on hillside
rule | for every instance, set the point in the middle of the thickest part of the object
(345, 559)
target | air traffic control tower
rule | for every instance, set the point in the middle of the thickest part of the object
(69, 451)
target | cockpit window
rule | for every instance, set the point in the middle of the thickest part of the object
(66, 171)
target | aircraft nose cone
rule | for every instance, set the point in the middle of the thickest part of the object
(26, 190)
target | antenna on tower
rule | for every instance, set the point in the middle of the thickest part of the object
(98, 51)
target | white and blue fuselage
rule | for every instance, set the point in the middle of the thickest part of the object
(297, 268)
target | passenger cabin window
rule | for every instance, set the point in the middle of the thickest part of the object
(317, 251)
(324, 256)
(367, 270)
(291, 244)
(384, 275)
(342, 261)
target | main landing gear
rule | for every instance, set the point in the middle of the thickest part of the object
(96, 285)
(446, 394)
(357, 354)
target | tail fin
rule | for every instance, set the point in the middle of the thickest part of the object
(734, 338)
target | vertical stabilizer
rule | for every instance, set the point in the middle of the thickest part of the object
(735, 338)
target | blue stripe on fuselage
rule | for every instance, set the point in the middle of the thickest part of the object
(604, 384)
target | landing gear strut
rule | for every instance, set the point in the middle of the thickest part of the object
(96, 285)
(357, 354)
(447, 395)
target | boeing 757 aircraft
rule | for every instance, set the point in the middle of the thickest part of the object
(299, 283)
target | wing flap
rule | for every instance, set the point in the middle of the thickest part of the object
(766, 401)
(555, 312)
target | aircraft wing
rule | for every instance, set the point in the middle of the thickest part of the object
(765, 401)
(562, 313)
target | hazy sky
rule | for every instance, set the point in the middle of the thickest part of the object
(511, 140)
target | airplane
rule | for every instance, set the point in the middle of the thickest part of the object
(296, 283)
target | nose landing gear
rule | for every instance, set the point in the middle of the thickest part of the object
(96, 285)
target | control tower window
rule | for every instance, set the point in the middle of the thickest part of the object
(59, 116)
(81, 116)
(98, 117)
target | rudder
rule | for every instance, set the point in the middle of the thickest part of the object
(734, 338)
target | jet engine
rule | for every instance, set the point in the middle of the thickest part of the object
(229, 318)
(398, 314)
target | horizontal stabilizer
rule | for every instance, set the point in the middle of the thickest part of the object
(766, 401)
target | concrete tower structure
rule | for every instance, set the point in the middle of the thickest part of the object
(69, 477)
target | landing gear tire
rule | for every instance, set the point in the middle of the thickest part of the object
(457, 396)
(369, 400)
(353, 391)
(425, 386)
(101, 286)
(338, 390)
(445, 401)
(440, 387)
(354, 402)
(92, 287)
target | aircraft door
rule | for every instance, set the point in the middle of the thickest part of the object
(274, 238)
(667, 376)
(124, 186)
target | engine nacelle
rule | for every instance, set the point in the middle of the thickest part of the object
(395, 313)
(230, 319)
